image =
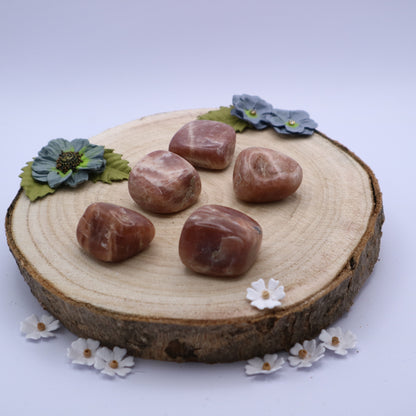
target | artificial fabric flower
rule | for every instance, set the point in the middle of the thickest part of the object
(263, 297)
(295, 122)
(267, 365)
(113, 362)
(34, 328)
(334, 339)
(303, 355)
(251, 109)
(83, 351)
(64, 162)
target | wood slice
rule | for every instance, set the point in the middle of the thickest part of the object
(321, 243)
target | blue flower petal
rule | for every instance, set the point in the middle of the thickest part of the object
(55, 179)
(54, 149)
(77, 178)
(79, 144)
(94, 151)
(96, 165)
(244, 105)
(42, 166)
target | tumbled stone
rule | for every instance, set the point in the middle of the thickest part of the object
(164, 182)
(264, 175)
(113, 233)
(219, 241)
(205, 143)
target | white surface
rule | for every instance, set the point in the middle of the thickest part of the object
(74, 69)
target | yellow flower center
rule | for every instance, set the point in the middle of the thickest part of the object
(265, 294)
(253, 112)
(335, 341)
(87, 353)
(41, 326)
(266, 366)
(114, 364)
(302, 354)
(291, 122)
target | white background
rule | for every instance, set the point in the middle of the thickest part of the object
(75, 68)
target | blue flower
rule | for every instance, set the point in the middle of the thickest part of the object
(292, 122)
(64, 162)
(251, 109)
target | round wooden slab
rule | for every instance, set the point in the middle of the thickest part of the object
(321, 243)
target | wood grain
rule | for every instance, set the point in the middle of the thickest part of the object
(321, 243)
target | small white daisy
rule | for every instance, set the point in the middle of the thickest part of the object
(267, 365)
(34, 328)
(334, 339)
(303, 355)
(111, 362)
(82, 351)
(263, 297)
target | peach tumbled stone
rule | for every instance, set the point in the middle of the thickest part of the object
(219, 241)
(205, 143)
(164, 182)
(264, 175)
(113, 233)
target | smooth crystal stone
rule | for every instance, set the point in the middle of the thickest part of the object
(113, 233)
(219, 241)
(264, 175)
(164, 182)
(205, 144)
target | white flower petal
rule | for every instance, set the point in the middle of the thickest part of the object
(93, 344)
(295, 349)
(119, 353)
(258, 303)
(122, 371)
(273, 284)
(127, 362)
(279, 293)
(325, 336)
(53, 326)
(294, 361)
(108, 371)
(105, 354)
(252, 294)
(259, 285)
(34, 335)
(255, 362)
(99, 363)
(46, 319)
(251, 370)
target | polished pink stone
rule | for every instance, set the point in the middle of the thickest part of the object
(264, 175)
(112, 233)
(205, 143)
(219, 241)
(164, 182)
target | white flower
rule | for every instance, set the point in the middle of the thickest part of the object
(265, 297)
(34, 328)
(267, 365)
(303, 355)
(111, 362)
(334, 339)
(82, 351)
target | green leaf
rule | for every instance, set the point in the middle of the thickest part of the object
(116, 168)
(224, 116)
(32, 188)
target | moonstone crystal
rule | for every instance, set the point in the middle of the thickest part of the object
(264, 175)
(205, 143)
(164, 182)
(219, 241)
(113, 233)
